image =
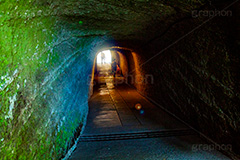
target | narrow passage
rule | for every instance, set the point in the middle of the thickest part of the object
(117, 130)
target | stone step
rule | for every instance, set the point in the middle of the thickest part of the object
(136, 135)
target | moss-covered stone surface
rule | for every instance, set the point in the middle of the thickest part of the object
(43, 87)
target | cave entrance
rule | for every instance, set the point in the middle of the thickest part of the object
(104, 57)
(104, 61)
(104, 71)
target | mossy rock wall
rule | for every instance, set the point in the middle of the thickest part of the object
(44, 68)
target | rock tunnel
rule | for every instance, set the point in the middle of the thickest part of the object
(48, 56)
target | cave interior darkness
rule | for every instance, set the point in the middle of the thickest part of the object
(181, 57)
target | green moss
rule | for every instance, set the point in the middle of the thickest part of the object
(26, 39)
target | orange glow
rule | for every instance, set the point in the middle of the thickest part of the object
(118, 47)
(138, 106)
(138, 72)
(123, 63)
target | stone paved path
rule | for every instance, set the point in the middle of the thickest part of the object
(116, 130)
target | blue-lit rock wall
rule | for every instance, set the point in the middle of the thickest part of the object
(44, 68)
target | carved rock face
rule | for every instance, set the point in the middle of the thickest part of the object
(47, 54)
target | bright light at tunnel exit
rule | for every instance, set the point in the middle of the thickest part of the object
(106, 58)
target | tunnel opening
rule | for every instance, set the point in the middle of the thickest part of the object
(109, 64)
(104, 57)
(128, 69)
(103, 63)
(129, 76)
(110, 86)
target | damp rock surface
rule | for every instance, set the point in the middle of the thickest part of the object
(47, 54)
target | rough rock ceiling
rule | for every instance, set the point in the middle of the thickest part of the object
(125, 20)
